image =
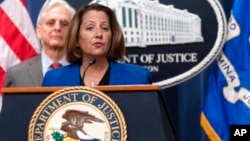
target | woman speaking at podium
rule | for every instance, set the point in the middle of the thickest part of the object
(94, 44)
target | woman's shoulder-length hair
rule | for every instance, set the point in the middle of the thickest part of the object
(73, 51)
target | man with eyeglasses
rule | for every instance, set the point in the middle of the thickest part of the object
(52, 26)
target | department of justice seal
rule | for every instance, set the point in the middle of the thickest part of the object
(77, 114)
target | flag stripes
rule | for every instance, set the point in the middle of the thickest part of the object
(15, 39)
(18, 41)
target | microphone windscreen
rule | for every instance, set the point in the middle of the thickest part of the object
(92, 61)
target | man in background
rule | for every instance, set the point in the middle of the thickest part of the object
(52, 26)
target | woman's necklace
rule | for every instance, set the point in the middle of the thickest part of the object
(92, 84)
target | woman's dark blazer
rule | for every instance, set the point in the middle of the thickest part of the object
(120, 74)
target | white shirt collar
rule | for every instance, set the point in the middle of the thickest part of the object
(46, 62)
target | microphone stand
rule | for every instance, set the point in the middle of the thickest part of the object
(92, 61)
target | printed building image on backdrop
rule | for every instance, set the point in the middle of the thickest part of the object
(175, 41)
(146, 23)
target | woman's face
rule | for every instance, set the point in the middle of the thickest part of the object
(95, 34)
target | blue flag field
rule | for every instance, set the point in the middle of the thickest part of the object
(228, 97)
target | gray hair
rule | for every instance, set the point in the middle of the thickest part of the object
(53, 3)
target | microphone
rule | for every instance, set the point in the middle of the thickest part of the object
(92, 61)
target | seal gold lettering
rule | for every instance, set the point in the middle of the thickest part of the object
(73, 113)
(88, 98)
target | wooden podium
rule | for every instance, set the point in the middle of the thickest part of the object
(146, 115)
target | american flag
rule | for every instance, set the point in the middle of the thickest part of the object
(18, 40)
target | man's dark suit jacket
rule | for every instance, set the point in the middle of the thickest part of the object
(26, 74)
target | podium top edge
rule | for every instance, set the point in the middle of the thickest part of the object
(101, 88)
